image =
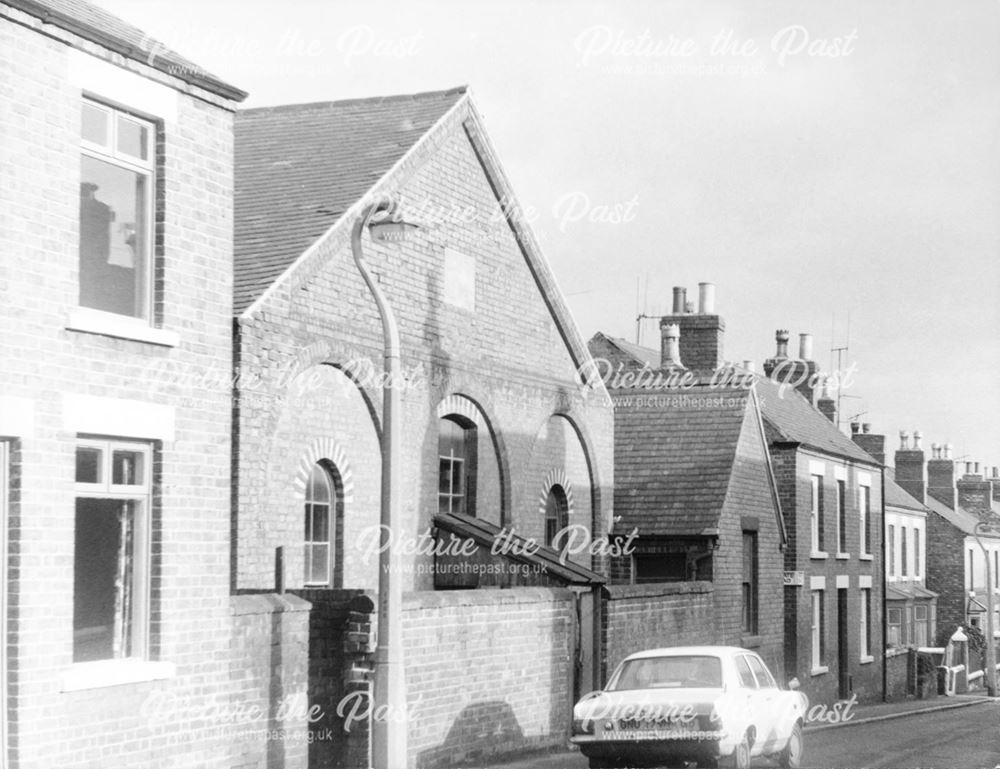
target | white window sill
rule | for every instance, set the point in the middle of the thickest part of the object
(866, 557)
(120, 326)
(819, 555)
(97, 675)
(843, 556)
(866, 659)
(819, 671)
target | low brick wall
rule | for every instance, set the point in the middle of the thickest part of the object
(488, 672)
(268, 680)
(638, 617)
(900, 674)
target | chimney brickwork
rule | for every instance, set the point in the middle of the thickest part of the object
(941, 477)
(911, 473)
(701, 333)
(870, 442)
(801, 374)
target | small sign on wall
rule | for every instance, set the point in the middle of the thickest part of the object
(795, 578)
(459, 279)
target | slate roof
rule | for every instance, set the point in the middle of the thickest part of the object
(300, 167)
(484, 534)
(788, 415)
(674, 460)
(98, 26)
(960, 518)
(791, 418)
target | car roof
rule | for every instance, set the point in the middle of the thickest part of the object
(680, 651)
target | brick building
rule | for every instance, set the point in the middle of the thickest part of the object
(955, 563)
(694, 484)
(115, 293)
(831, 498)
(499, 433)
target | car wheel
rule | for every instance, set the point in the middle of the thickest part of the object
(741, 756)
(791, 756)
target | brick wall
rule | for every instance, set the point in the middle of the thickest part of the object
(638, 617)
(266, 722)
(900, 674)
(44, 363)
(945, 559)
(488, 672)
(505, 364)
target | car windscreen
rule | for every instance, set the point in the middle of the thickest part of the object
(673, 672)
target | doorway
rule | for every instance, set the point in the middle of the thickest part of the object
(842, 652)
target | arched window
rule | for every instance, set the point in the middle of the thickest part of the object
(324, 508)
(556, 513)
(456, 466)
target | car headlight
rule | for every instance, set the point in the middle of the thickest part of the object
(583, 726)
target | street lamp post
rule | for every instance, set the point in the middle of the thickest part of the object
(991, 659)
(388, 726)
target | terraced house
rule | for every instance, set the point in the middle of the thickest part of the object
(115, 284)
(831, 499)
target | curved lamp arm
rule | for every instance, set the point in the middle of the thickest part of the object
(390, 332)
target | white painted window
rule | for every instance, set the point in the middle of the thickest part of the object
(891, 550)
(323, 512)
(816, 513)
(866, 636)
(111, 551)
(117, 195)
(818, 631)
(864, 514)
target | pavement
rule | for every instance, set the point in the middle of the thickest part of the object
(857, 714)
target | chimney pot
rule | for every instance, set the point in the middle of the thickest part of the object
(670, 353)
(935, 451)
(750, 366)
(917, 437)
(706, 299)
(781, 336)
(947, 451)
(688, 308)
(904, 440)
(806, 346)
(975, 468)
(680, 298)
(866, 428)
(855, 427)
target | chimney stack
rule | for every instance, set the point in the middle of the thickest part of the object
(826, 404)
(855, 428)
(941, 478)
(975, 493)
(869, 442)
(995, 483)
(670, 351)
(910, 471)
(799, 373)
(700, 334)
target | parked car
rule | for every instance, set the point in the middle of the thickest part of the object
(707, 704)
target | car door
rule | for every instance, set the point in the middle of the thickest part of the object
(749, 694)
(770, 731)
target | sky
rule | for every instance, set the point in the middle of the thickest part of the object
(834, 168)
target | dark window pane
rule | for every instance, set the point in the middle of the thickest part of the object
(127, 468)
(133, 138)
(103, 579)
(457, 477)
(88, 465)
(444, 475)
(321, 523)
(113, 230)
(95, 124)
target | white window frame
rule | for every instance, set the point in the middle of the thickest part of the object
(842, 527)
(141, 493)
(108, 153)
(865, 615)
(816, 482)
(818, 632)
(864, 515)
(890, 551)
